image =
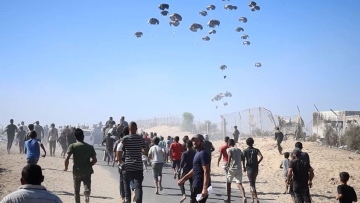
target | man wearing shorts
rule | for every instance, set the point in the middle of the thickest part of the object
(252, 166)
(233, 166)
(175, 153)
(224, 155)
(156, 155)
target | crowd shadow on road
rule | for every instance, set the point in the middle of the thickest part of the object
(72, 194)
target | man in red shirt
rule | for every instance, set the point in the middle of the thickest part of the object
(175, 155)
(224, 154)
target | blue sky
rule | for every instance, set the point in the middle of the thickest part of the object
(79, 62)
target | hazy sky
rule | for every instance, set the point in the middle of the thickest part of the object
(78, 61)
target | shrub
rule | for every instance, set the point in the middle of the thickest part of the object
(331, 136)
(352, 137)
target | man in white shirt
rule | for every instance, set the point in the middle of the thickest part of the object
(31, 190)
(157, 155)
(24, 127)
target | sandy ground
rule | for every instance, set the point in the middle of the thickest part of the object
(327, 162)
(104, 188)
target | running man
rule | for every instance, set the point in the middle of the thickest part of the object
(252, 166)
(186, 165)
(234, 170)
(279, 136)
(175, 153)
(10, 130)
(156, 155)
(20, 135)
(224, 155)
(236, 134)
(82, 168)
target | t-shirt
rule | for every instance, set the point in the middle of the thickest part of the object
(236, 157)
(187, 159)
(39, 130)
(251, 156)
(53, 135)
(279, 136)
(25, 128)
(223, 152)
(21, 135)
(236, 134)
(208, 146)
(82, 153)
(176, 150)
(300, 173)
(285, 164)
(32, 147)
(162, 144)
(348, 194)
(201, 158)
(11, 129)
(184, 148)
(109, 143)
(132, 147)
(168, 142)
(157, 154)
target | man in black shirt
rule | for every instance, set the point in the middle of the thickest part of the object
(20, 135)
(251, 155)
(10, 131)
(184, 145)
(302, 175)
(186, 165)
(279, 136)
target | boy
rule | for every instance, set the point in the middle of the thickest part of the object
(33, 149)
(346, 193)
(285, 166)
(20, 136)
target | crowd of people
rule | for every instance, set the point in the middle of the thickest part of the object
(190, 161)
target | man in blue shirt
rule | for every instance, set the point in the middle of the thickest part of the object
(200, 171)
(33, 149)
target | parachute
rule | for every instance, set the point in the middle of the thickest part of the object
(212, 32)
(210, 7)
(244, 36)
(243, 19)
(223, 67)
(164, 13)
(164, 6)
(246, 43)
(258, 65)
(239, 29)
(138, 34)
(213, 23)
(203, 13)
(230, 7)
(174, 23)
(195, 27)
(175, 17)
(153, 21)
(206, 38)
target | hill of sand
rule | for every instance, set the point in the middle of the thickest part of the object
(327, 163)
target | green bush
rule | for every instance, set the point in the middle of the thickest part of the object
(331, 136)
(352, 137)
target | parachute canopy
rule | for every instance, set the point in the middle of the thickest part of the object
(243, 19)
(174, 23)
(213, 23)
(258, 65)
(223, 67)
(210, 7)
(153, 21)
(239, 29)
(212, 32)
(206, 38)
(195, 27)
(164, 13)
(175, 17)
(244, 36)
(203, 13)
(246, 43)
(138, 34)
(230, 7)
(164, 6)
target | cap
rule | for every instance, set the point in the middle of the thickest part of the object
(198, 136)
(297, 152)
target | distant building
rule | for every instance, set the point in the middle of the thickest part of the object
(339, 122)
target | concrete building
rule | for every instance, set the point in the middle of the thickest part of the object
(339, 120)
